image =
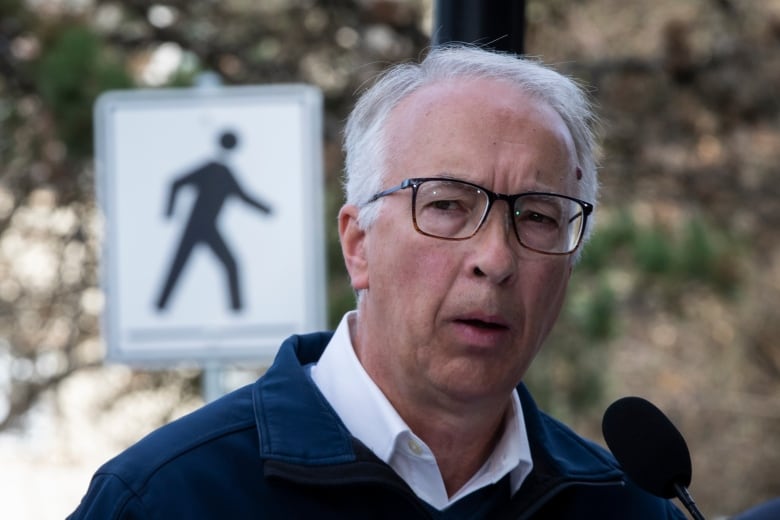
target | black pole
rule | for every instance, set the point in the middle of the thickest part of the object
(497, 24)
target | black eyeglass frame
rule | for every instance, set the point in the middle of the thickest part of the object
(414, 183)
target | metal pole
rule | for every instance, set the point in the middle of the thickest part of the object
(212, 383)
(212, 379)
(497, 24)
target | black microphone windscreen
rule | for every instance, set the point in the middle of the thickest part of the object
(651, 450)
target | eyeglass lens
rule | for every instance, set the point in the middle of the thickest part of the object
(455, 210)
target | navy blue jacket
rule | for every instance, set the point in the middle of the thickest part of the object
(276, 449)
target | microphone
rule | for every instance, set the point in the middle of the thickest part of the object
(651, 450)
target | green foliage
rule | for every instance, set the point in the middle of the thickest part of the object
(708, 256)
(692, 252)
(597, 317)
(73, 70)
(601, 248)
(697, 252)
(653, 251)
(187, 72)
(10, 8)
(568, 376)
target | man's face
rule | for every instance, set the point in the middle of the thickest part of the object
(443, 322)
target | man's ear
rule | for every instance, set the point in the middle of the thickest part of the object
(353, 246)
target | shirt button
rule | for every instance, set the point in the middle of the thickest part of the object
(415, 447)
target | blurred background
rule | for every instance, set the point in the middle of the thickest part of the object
(676, 298)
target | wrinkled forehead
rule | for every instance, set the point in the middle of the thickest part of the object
(467, 101)
(455, 123)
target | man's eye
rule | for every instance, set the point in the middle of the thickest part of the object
(537, 218)
(446, 205)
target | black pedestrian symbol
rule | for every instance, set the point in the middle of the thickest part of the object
(214, 183)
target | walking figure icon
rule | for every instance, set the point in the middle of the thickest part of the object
(214, 183)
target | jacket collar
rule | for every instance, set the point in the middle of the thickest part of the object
(294, 421)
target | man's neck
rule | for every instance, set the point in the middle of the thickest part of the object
(461, 434)
(460, 444)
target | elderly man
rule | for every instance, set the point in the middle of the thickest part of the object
(470, 183)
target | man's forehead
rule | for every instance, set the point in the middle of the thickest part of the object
(465, 126)
(459, 90)
(472, 102)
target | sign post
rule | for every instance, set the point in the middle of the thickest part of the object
(214, 243)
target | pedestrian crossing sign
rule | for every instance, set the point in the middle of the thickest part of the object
(213, 245)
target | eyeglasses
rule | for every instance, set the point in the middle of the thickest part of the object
(452, 209)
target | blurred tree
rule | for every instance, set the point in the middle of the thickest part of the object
(57, 57)
(69, 77)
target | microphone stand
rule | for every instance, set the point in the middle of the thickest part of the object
(687, 500)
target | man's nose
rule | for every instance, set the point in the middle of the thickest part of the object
(495, 247)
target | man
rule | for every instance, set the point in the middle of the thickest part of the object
(470, 183)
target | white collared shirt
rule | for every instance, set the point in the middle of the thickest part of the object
(370, 417)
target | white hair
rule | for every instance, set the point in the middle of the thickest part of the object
(365, 143)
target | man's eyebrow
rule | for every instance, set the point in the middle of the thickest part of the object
(448, 176)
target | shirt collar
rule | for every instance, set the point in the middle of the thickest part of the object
(358, 401)
(371, 418)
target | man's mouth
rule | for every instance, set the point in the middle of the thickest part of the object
(483, 324)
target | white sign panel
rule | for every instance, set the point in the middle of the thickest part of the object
(212, 198)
